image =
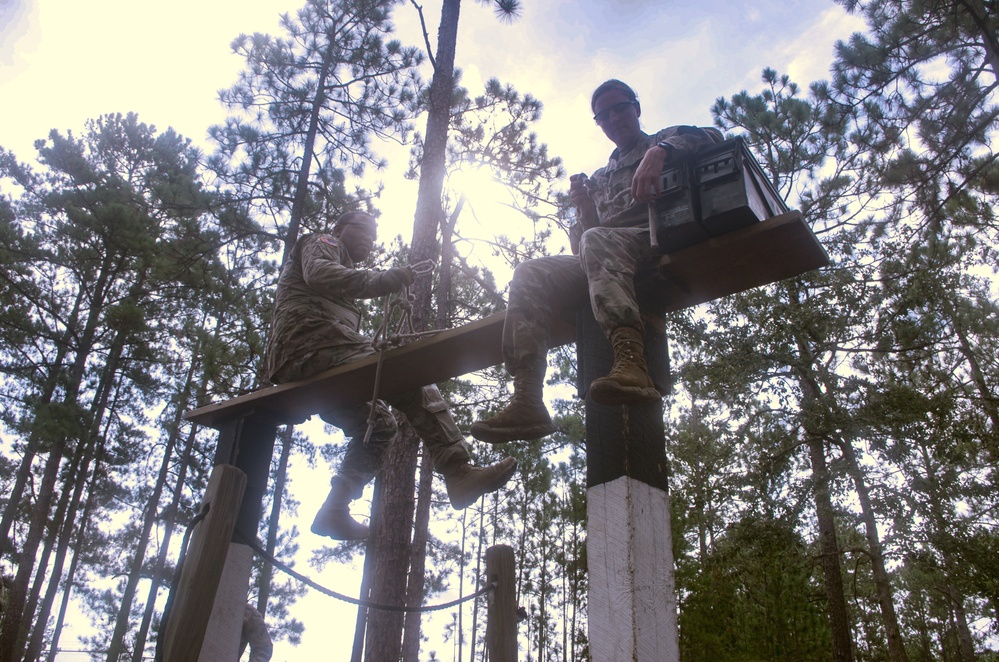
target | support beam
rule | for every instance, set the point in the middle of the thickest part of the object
(632, 598)
(246, 443)
(501, 619)
(632, 613)
(202, 572)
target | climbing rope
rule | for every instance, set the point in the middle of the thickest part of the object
(253, 544)
(402, 333)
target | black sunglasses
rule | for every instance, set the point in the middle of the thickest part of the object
(602, 116)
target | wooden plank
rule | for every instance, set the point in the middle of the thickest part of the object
(778, 248)
(203, 565)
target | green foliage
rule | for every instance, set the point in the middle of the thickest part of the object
(753, 598)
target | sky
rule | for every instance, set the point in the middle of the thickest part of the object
(63, 62)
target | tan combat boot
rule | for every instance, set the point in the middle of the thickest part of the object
(526, 417)
(333, 519)
(628, 382)
(465, 483)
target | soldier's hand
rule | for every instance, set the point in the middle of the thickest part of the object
(645, 183)
(395, 279)
(578, 192)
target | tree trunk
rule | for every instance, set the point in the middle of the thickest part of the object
(392, 539)
(267, 572)
(149, 517)
(170, 521)
(308, 151)
(429, 211)
(417, 573)
(839, 621)
(14, 612)
(67, 591)
(32, 447)
(896, 646)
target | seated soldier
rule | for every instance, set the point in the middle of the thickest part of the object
(316, 327)
(612, 240)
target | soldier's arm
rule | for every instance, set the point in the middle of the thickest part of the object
(324, 271)
(672, 144)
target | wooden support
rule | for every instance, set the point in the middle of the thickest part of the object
(203, 565)
(501, 623)
(225, 624)
(778, 248)
(632, 599)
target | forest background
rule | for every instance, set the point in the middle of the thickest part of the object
(832, 438)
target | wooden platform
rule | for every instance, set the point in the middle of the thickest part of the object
(778, 248)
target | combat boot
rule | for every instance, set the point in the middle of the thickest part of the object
(465, 483)
(525, 417)
(333, 519)
(628, 382)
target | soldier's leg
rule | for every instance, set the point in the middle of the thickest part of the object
(538, 290)
(430, 416)
(611, 257)
(359, 465)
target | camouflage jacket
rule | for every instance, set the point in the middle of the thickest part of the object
(610, 186)
(314, 303)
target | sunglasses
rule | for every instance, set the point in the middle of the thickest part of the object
(602, 116)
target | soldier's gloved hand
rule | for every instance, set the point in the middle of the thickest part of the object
(395, 279)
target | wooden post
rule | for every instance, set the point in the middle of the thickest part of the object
(632, 597)
(207, 613)
(203, 566)
(248, 443)
(501, 620)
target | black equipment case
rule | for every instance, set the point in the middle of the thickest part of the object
(732, 188)
(720, 189)
(677, 225)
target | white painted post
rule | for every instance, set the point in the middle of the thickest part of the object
(632, 615)
(632, 602)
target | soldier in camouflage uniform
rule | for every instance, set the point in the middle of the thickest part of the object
(315, 327)
(610, 243)
(255, 635)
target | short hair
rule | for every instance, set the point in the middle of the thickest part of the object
(607, 86)
(349, 217)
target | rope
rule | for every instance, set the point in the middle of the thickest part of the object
(255, 546)
(404, 331)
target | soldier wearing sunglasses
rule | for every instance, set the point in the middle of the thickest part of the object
(610, 243)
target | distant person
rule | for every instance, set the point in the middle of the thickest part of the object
(316, 326)
(256, 636)
(610, 243)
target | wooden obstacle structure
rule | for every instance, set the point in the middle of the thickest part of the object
(632, 606)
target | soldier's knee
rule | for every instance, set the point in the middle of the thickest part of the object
(382, 421)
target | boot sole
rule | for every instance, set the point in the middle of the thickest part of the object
(499, 481)
(337, 534)
(612, 395)
(490, 435)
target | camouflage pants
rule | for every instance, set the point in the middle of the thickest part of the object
(604, 271)
(424, 408)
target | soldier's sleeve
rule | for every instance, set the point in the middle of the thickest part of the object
(324, 270)
(256, 635)
(686, 140)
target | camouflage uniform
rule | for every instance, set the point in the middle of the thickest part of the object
(609, 256)
(316, 327)
(255, 635)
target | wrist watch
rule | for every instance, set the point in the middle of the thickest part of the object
(669, 150)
